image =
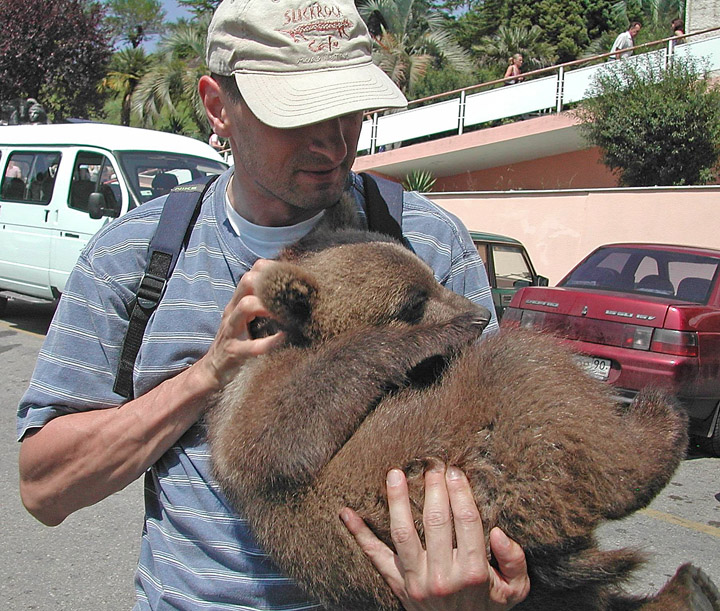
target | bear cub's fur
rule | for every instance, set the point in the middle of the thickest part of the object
(382, 368)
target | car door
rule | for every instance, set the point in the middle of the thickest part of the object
(26, 205)
(72, 227)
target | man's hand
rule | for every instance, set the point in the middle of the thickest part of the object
(233, 345)
(442, 577)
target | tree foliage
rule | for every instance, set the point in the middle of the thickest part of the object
(656, 125)
(134, 21)
(55, 51)
(167, 95)
(562, 23)
(479, 21)
(410, 37)
(127, 67)
(496, 49)
(200, 8)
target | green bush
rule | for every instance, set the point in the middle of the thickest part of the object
(656, 125)
(421, 181)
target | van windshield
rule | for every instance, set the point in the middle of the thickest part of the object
(150, 175)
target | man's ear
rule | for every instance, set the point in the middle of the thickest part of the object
(215, 103)
(289, 293)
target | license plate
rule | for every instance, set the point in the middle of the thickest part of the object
(594, 367)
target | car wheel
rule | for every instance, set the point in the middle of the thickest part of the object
(3, 305)
(711, 444)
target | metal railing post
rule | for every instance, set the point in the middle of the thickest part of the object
(461, 113)
(669, 52)
(559, 90)
(373, 133)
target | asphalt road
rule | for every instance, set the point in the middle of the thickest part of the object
(87, 563)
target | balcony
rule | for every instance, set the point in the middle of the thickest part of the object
(444, 134)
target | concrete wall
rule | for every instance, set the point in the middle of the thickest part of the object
(560, 227)
(701, 14)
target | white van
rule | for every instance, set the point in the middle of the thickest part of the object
(62, 183)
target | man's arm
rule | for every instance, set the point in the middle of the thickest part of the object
(78, 459)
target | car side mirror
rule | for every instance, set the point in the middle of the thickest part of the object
(98, 207)
(542, 281)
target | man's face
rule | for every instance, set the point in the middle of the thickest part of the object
(291, 172)
(634, 30)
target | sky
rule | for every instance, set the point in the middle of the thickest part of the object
(174, 12)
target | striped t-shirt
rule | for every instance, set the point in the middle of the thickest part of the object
(196, 552)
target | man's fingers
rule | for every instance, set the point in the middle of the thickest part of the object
(402, 526)
(512, 567)
(468, 524)
(437, 522)
(248, 282)
(245, 310)
(379, 554)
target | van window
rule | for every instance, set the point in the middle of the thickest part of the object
(151, 175)
(30, 177)
(93, 173)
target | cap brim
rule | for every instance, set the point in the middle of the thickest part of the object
(295, 99)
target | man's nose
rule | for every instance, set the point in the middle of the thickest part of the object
(328, 139)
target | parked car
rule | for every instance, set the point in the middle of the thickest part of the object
(508, 267)
(641, 315)
(59, 184)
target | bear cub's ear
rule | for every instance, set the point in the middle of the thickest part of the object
(289, 293)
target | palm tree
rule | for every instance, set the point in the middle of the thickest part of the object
(127, 67)
(495, 50)
(409, 38)
(172, 80)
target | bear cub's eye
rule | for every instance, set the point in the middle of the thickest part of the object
(413, 309)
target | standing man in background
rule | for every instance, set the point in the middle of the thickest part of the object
(626, 40)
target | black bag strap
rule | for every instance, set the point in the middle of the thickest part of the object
(383, 205)
(176, 220)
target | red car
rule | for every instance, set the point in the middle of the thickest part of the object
(640, 315)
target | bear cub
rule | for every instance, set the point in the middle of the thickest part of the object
(382, 368)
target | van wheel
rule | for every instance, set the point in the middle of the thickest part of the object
(3, 305)
(711, 444)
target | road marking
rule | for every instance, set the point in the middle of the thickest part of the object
(7, 325)
(713, 531)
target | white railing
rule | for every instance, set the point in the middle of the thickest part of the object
(552, 90)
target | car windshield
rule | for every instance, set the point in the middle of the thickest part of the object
(660, 273)
(151, 175)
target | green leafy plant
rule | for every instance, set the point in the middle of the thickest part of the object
(655, 124)
(421, 181)
(54, 51)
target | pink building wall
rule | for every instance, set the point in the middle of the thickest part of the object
(560, 227)
(577, 169)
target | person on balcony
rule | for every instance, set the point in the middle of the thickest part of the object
(513, 70)
(625, 42)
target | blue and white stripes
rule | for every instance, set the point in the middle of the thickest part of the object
(196, 553)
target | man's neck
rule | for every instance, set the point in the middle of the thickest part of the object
(264, 209)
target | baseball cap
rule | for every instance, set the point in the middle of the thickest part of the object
(298, 62)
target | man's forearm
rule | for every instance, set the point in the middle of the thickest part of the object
(79, 459)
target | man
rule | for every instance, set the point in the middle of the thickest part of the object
(304, 75)
(626, 40)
